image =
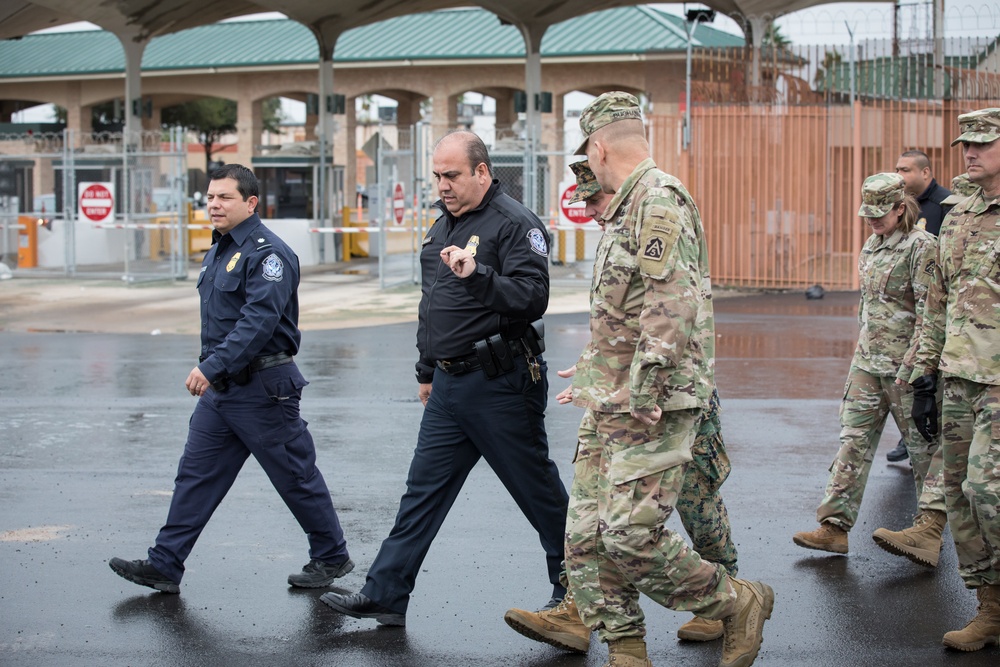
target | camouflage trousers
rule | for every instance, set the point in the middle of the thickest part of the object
(868, 402)
(970, 438)
(627, 480)
(700, 506)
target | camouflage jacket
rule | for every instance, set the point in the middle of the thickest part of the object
(895, 274)
(961, 336)
(652, 328)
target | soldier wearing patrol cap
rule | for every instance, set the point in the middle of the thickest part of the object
(958, 349)
(961, 188)
(646, 378)
(894, 270)
(700, 505)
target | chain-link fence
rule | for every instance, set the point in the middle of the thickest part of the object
(94, 205)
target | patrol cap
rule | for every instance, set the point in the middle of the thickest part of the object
(604, 110)
(880, 193)
(586, 183)
(961, 188)
(978, 127)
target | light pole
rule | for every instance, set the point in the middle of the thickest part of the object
(694, 17)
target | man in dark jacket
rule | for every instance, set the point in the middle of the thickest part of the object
(481, 377)
(915, 168)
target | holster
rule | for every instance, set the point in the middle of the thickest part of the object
(534, 338)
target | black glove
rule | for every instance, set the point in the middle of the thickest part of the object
(924, 410)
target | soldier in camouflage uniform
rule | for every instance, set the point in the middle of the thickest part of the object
(960, 347)
(961, 189)
(646, 376)
(700, 506)
(895, 269)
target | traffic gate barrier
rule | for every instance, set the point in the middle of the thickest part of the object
(27, 242)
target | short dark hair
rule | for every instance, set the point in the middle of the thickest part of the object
(475, 149)
(923, 162)
(246, 181)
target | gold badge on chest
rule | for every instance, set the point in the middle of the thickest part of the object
(472, 245)
(232, 262)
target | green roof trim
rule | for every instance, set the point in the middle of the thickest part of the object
(455, 34)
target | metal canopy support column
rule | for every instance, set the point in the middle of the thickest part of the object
(758, 25)
(324, 136)
(133, 87)
(532, 116)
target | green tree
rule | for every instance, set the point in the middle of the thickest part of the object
(211, 118)
(828, 72)
(774, 37)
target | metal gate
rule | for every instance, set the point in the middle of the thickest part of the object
(94, 206)
(397, 207)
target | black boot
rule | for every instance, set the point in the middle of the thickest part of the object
(899, 453)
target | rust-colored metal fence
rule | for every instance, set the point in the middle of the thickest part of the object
(781, 145)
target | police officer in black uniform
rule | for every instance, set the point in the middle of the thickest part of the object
(482, 382)
(249, 389)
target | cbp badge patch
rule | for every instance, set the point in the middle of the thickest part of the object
(538, 243)
(274, 270)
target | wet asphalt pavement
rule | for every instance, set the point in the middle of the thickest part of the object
(91, 427)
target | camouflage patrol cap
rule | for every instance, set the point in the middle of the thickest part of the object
(604, 110)
(979, 127)
(586, 182)
(961, 188)
(880, 193)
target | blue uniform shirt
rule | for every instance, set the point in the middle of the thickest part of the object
(249, 299)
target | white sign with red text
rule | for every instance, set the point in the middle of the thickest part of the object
(572, 213)
(96, 201)
(398, 203)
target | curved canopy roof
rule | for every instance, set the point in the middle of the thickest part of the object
(141, 20)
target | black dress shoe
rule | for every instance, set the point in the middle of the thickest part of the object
(143, 573)
(359, 605)
(899, 453)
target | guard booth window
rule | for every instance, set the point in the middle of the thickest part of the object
(286, 192)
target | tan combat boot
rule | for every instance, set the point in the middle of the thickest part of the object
(984, 628)
(921, 543)
(700, 629)
(744, 628)
(627, 652)
(560, 626)
(827, 537)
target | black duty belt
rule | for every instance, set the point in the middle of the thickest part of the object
(464, 365)
(270, 361)
(242, 377)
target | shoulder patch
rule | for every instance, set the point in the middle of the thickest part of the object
(536, 238)
(657, 236)
(273, 268)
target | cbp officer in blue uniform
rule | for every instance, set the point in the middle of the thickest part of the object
(249, 389)
(485, 278)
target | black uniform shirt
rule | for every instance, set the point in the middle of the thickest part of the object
(509, 288)
(931, 210)
(249, 299)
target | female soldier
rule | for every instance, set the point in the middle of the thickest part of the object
(895, 268)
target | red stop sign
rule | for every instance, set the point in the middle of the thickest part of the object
(97, 204)
(398, 203)
(575, 212)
